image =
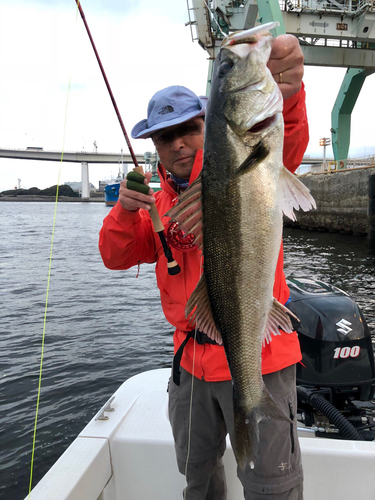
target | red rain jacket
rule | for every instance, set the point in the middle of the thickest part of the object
(127, 239)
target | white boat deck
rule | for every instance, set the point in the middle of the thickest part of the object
(131, 456)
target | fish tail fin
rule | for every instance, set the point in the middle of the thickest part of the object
(294, 194)
(246, 428)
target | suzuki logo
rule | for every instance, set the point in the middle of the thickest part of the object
(344, 326)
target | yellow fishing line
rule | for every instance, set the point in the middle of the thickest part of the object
(47, 291)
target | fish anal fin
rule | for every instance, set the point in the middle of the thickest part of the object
(278, 317)
(293, 194)
(199, 309)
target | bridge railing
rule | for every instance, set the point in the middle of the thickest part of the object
(347, 164)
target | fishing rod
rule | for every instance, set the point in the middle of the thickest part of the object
(135, 179)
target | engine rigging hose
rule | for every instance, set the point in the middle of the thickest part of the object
(335, 417)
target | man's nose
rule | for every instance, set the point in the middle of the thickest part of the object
(177, 143)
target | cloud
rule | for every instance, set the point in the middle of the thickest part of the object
(144, 46)
(42, 49)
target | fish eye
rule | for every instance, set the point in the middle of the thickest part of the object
(224, 68)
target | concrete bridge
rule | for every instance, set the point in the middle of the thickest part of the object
(35, 153)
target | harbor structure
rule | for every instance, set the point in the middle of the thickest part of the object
(345, 200)
(330, 32)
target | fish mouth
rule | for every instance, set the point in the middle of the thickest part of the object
(263, 125)
(249, 36)
(260, 85)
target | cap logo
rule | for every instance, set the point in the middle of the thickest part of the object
(165, 110)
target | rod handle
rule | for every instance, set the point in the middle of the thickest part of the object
(135, 180)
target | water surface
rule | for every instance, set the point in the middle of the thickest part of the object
(102, 326)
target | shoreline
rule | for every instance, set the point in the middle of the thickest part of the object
(69, 199)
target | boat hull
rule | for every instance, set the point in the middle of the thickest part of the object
(131, 455)
(111, 193)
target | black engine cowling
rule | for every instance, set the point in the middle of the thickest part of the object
(337, 352)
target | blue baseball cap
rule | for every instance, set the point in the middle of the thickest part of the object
(170, 106)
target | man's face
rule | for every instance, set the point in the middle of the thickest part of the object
(178, 145)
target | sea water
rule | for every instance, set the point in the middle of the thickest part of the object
(102, 326)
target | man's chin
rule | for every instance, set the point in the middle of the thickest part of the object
(182, 168)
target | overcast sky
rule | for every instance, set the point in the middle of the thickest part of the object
(144, 46)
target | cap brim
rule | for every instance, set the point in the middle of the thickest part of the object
(140, 131)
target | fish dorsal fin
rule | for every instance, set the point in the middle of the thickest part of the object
(199, 309)
(188, 211)
(293, 194)
(189, 196)
(279, 316)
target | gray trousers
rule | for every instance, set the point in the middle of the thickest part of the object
(278, 470)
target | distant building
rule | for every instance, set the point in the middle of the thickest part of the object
(102, 185)
(77, 187)
(303, 169)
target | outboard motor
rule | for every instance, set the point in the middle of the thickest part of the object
(336, 377)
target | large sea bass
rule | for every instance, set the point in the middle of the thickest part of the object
(235, 210)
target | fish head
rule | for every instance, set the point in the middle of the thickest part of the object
(251, 101)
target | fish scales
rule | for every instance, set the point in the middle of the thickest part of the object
(240, 269)
(244, 191)
(239, 240)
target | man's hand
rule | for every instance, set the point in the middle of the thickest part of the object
(286, 64)
(133, 200)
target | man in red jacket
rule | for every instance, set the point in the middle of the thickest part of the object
(176, 125)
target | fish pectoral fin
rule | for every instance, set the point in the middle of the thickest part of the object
(293, 194)
(259, 153)
(278, 317)
(199, 309)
